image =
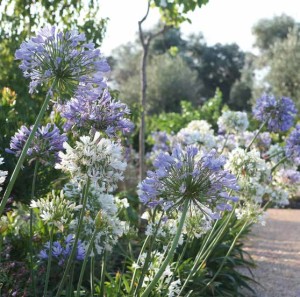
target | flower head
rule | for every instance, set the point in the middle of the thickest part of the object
(292, 148)
(233, 121)
(61, 250)
(55, 209)
(102, 114)
(279, 114)
(184, 175)
(45, 146)
(98, 159)
(3, 174)
(67, 58)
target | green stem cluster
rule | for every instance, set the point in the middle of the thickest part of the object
(25, 149)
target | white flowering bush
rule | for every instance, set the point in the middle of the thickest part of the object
(84, 237)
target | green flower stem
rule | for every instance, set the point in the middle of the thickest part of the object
(148, 256)
(103, 272)
(135, 270)
(226, 256)
(49, 262)
(73, 251)
(178, 262)
(255, 136)
(204, 253)
(31, 252)
(278, 163)
(145, 244)
(92, 274)
(224, 145)
(88, 251)
(25, 149)
(171, 251)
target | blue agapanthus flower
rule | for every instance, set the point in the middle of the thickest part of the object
(62, 250)
(102, 114)
(48, 141)
(67, 58)
(292, 148)
(185, 175)
(278, 114)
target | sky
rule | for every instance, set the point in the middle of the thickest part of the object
(223, 21)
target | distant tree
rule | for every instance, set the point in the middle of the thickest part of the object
(241, 90)
(218, 66)
(170, 80)
(283, 76)
(268, 31)
(279, 61)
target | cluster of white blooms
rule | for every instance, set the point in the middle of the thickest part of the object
(278, 195)
(174, 288)
(197, 132)
(55, 209)
(251, 211)
(164, 228)
(3, 174)
(247, 164)
(157, 259)
(233, 121)
(275, 153)
(253, 173)
(98, 159)
(101, 217)
(196, 224)
(288, 179)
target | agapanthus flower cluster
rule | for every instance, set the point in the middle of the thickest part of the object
(247, 164)
(292, 148)
(55, 209)
(233, 122)
(46, 145)
(253, 172)
(65, 58)
(101, 217)
(287, 179)
(185, 174)
(97, 159)
(3, 174)
(278, 114)
(197, 132)
(101, 114)
(251, 211)
(61, 250)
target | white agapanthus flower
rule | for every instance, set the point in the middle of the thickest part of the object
(98, 159)
(3, 174)
(247, 164)
(55, 209)
(101, 217)
(251, 211)
(174, 288)
(197, 132)
(233, 121)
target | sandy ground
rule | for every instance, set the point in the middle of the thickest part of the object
(276, 251)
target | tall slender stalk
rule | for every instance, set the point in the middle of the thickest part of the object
(73, 251)
(226, 256)
(25, 149)
(31, 252)
(171, 251)
(88, 251)
(205, 252)
(103, 271)
(49, 262)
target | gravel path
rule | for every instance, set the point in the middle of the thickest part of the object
(276, 251)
